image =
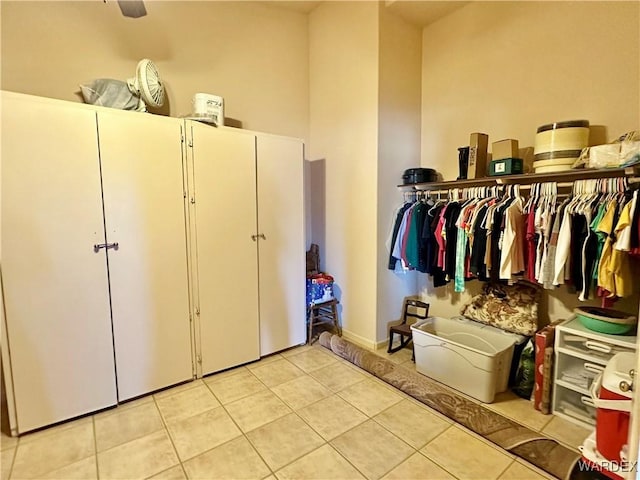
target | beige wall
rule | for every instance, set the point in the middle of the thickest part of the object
(505, 68)
(251, 53)
(398, 149)
(343, 70)
(345, 79)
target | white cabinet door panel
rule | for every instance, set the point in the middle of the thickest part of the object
(55, 285)
(144, 213)
(223, 166)
(282, 261)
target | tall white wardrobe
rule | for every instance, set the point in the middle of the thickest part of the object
(138, 252)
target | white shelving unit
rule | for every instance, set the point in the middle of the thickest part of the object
(580, 355)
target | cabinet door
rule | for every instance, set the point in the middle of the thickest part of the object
(224, 189)
(55, 285)
(144, 213)
(282, 263)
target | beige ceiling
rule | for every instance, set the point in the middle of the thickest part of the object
(301, 6)
(423, 13)
(418, 12)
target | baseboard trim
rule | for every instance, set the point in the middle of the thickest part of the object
(358, 340)
(364, 342)
(382, 344)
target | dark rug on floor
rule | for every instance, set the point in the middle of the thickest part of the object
(534, 447)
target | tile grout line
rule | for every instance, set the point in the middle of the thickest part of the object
(137, 436)
(242, 432)
(433, 460)
(95, 445)
(534, 468)
(506, 468)
(549, 418)
(490, 444)
(402, 440)
(437, 464)
(333, 393)
(346, 459)
(293, 411)
(166, 430)
(505, 415)
(484, 440)
(326, 442)
(13, 459)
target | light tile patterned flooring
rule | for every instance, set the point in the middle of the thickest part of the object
(304, 413)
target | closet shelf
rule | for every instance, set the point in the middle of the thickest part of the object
(527, 179)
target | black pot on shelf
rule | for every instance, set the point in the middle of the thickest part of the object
(419, 175)
(463, 162)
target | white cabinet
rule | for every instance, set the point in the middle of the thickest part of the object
(281, 252)
(56, 293)
(139, 252)
(90, 326)
(580, 355)
(144, 205)
(222, 196)
(247, 244)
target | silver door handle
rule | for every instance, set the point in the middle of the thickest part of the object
(98, 246)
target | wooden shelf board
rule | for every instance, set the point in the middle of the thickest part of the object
(527, 178)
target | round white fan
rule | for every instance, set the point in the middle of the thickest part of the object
(147, 85)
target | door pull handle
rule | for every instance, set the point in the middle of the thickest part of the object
(98, 246)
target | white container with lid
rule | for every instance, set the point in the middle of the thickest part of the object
(466, 355)
(209, 106)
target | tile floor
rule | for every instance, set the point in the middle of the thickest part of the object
(304, 413)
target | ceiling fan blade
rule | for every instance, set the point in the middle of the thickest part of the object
(132, 8)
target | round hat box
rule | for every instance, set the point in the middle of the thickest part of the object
(552, 166)
(569, 136)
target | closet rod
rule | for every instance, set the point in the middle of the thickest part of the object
(630, 180)
(522, 187)
(631, 173)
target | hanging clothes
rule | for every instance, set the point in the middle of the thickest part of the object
(584, 241)
(413, 247)
(549, 268)
(479, 244)
(605, 272)
(450, 233)
(619, 263)
(427, 239)
(392, 237)
(512, 255)
(440, 234)
(589, 252)
(398, 245)
(437, 269)
(561, 265)
(462, 248)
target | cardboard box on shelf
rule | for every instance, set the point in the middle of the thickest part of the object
(478, 155)
(504, 149)
(505, 166)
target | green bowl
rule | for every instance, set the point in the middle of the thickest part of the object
(604, 327)
(595, 318)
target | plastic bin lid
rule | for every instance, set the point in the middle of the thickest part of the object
(518, 339)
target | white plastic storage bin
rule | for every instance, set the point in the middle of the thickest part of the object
(465, 355)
